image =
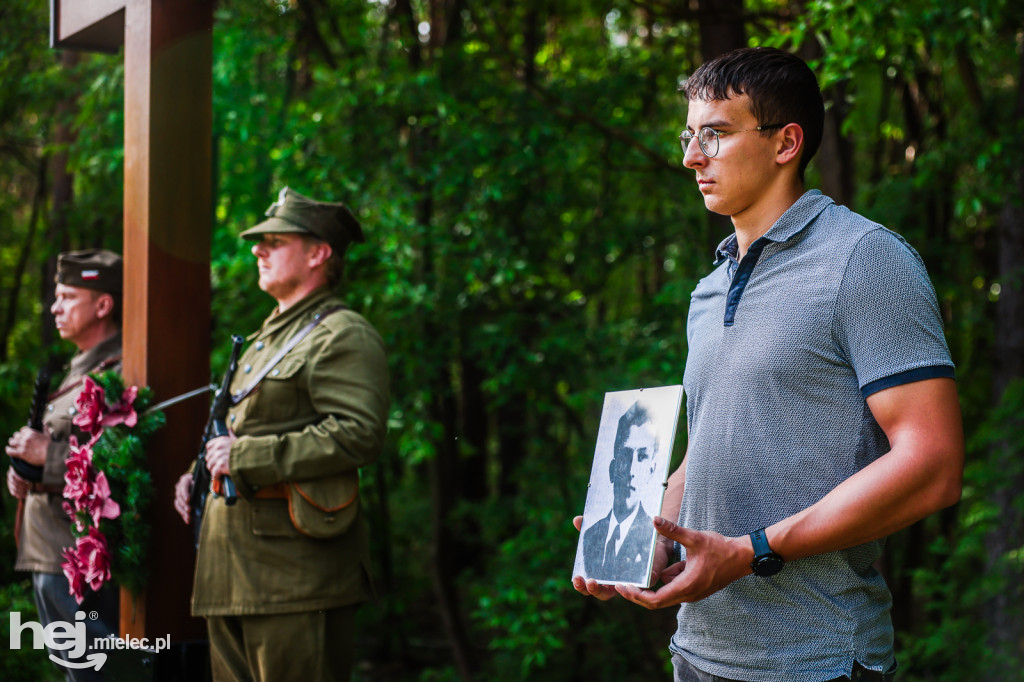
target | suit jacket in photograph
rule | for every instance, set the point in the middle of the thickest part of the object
(629, 564)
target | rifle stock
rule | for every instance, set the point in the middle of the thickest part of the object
(216, 426)
(32, 472)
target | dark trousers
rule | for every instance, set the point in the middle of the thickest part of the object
(684, 672)
(54, 603)
(312, 646)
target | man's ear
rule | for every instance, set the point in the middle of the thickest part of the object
(791, 143)
(320, 253)
(104, 305)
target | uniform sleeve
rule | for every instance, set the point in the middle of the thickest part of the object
(887, 321)
(348, 389)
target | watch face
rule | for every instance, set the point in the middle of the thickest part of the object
(767, 565)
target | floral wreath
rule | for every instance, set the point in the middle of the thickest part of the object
(108, 487)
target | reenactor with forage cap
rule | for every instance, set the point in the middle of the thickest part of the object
(87, 312)
(310, 408)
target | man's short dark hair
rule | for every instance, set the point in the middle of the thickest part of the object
(335, 270)
(780, 85)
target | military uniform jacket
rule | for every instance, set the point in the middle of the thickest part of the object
(319, 414)
(46, 529)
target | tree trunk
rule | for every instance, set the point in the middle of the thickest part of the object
(722, 30)
(834, 160)
(11, 308)
(63, 198)
(1006, 628)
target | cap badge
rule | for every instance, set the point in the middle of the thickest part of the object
(281, 196)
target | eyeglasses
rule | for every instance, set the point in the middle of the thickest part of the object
(707, 137)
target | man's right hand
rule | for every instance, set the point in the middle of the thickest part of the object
(29, 445)
(16, 485)
(182, 492)
(591, 587)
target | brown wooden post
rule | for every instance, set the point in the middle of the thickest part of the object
(167, 216)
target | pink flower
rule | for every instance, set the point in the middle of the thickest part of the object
(90, 405)
(122, 412)
(94, 558)
(78, 479)
(99, 505)
(74, 571)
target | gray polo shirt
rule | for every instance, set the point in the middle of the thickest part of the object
(824, 310)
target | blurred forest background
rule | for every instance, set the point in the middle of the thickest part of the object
(532, 242)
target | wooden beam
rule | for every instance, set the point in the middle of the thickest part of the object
(167, 220)
(168, 211)
(91, 25)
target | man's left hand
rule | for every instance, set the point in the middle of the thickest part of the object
(17, 486)
(591, 587)
(712, 562)
(29, 445)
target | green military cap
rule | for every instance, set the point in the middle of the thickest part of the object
(96, 269)
(296, 214)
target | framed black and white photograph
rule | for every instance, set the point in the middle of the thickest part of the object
(627, 484)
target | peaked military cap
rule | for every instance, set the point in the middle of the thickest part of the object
(96, 269)
(293, 213)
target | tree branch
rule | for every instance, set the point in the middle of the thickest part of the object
(569, 113)
(38, 199)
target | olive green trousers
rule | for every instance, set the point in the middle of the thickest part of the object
(313, 646)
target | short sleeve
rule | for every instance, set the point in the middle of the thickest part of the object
(887, 322)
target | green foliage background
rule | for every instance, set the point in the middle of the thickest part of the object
(532, 242)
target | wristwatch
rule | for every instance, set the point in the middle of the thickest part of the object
(766, 562)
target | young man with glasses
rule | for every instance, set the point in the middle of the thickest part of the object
(821, 406)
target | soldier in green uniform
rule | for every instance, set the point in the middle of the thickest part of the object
(87, 312)
(280, 573)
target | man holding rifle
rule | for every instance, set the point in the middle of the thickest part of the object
(310, 404)
(87, 312)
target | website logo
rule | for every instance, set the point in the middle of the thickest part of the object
(71, 637)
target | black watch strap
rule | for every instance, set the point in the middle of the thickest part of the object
(766, 562)
(760, 542)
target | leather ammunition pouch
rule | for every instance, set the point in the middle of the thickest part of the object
(324, 508)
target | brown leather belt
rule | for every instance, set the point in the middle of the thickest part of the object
(278, 491)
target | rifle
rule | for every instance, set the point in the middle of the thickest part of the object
(32, 472)
(216, 425)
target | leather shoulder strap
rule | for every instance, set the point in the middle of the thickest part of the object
(279, 355)
(102, 367)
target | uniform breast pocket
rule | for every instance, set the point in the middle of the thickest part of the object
(60, 425)
(279, 393)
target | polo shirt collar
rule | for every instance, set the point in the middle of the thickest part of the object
(791, 223)
(798, 216)
(728, 248)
